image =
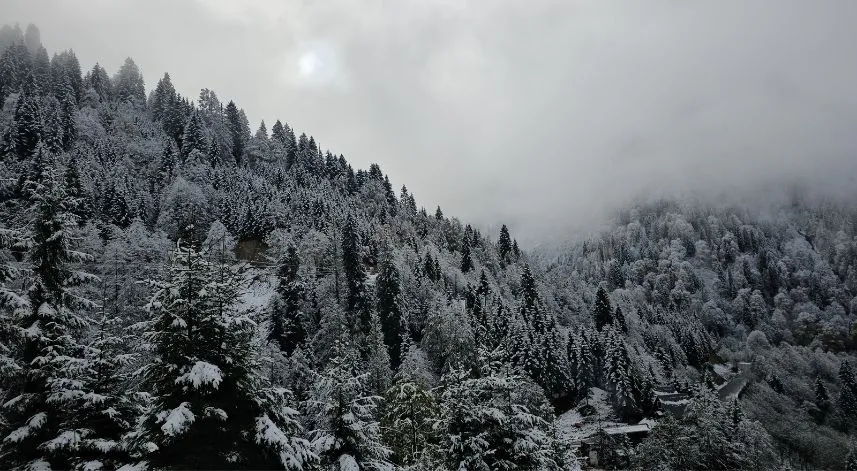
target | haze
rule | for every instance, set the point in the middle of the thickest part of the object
(540, 114)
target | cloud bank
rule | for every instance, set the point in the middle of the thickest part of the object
(542, 114)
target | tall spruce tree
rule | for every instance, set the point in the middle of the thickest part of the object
(287, 324)
(236, 132)
(388, 291)
(504, 243)
(356, 302)
(27, 120)
(211, 408)
(602, 313)
(44, 384)
(346, 433)
(466, 260)
(493, 419)
(410, 412)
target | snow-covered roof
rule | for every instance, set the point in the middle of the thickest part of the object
(626, 429)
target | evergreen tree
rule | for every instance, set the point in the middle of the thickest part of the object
(851, 458)
(42, 68)
(128, 83)
(233, 119)
(65, 68)
(619, 320)
(287, 325)
(278, 132)
(620, 374)
(579, 364)
(493, 420)
(211, 408)
(262, 132)
(346, 434)
(77, 201)
(504, 244)
(410, 411)
(52, 133)
(194, 138)
(68, 118)
(105, 412)
(162, 98)
(27, 120)
(847, 400)
(602, 312)
(388, 292)
(466, 261)
(356, 303)
(44, 383)
(99, 81)
(822, 398)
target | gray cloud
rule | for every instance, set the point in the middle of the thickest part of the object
(542, 114)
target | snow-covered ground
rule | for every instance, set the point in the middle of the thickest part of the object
(574, 426)
(258, 293)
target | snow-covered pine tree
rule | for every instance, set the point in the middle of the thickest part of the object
(10, 301)
(822, 398)
(409, 413)
(105, 412)
(45, 321)
(346, 434)
(543, 352)
(194, 143)
(851, 458)
(620, 373)
(375, 357)
(287, 325)
(27, 119)
(388, 291)
(211, 408)
(579, 365)
(847, 400)
(278, 132)
(238, 137)
(493, 419)
(356, 300)
(466, 259)
(602, 313)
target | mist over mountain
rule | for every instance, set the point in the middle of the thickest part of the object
(587, 104)
(183, 288)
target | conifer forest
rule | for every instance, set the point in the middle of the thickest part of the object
(182, 288)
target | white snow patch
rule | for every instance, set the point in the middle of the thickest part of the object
(348, 463)
(624, 429)
(35, 423)
(141, 466)
(104, 446)
(202, 373)
(680, 402)
(93, 465)
(257, 296)
(67, 439)
(724, 371)
(178, 420)
(39, 465)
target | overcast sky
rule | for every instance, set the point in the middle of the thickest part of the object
(539, 114)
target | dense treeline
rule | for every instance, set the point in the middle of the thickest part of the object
(694, 285)
(133, 336)
(179, 291)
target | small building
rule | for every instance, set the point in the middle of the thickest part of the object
(611, 443)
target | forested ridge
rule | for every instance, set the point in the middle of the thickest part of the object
(180, 291)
